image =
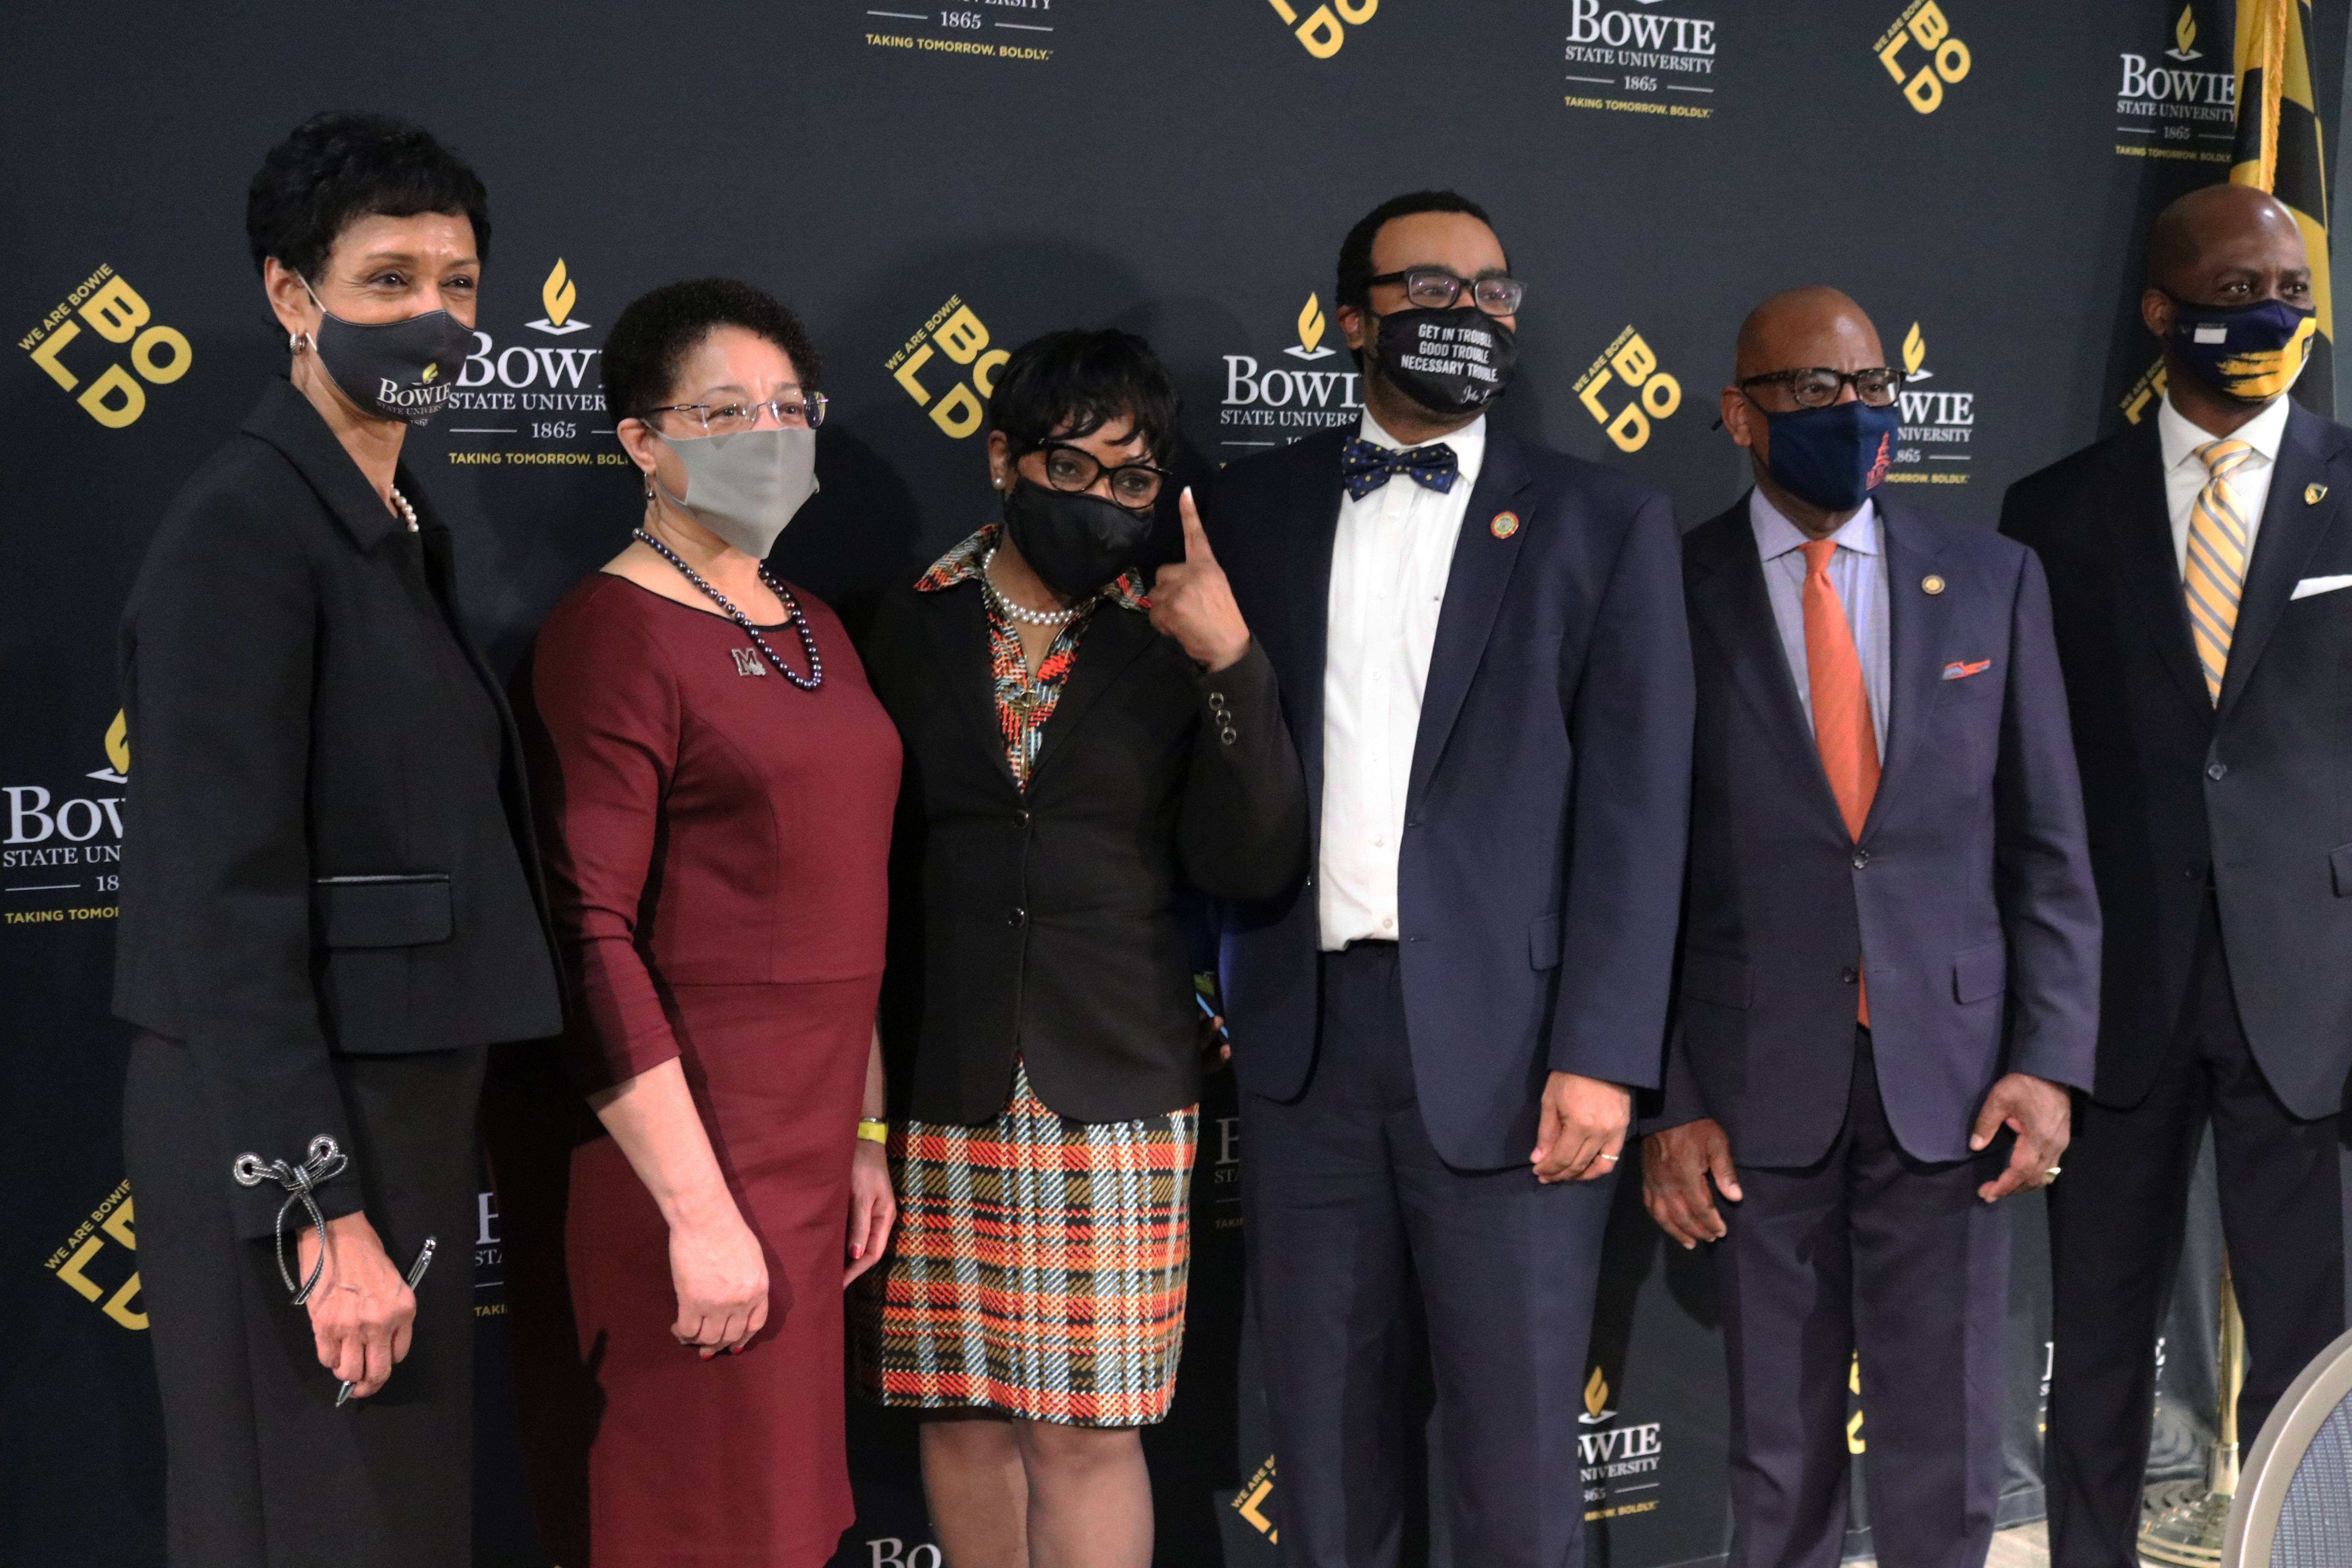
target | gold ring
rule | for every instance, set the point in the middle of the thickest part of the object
(1610, 1158)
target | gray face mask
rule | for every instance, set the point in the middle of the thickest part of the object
(744, 488)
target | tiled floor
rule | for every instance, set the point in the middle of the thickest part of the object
(2027, 1546)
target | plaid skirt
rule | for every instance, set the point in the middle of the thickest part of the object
(1038, 1269)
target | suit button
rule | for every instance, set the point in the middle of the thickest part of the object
(2216, 770)
(1861, 859)
(1017, 918)
(1022, 817)
(1851, 975)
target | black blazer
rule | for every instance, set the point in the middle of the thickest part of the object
(325, 849)
(1967, 900)
(2254, 799)
(1541, 866)
(1049, 925)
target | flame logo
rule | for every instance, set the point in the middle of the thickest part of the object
(1596, 1397)
(430, 372)
(2184, 32)
(1915, 350)
(118, 744)
(558, 294)
(1311, 324)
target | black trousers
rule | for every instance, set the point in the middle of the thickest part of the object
(1348, 1207)
(262, 1470)
(1869, 1253)
(2117, 1220)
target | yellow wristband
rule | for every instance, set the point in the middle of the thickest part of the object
(873, 1131)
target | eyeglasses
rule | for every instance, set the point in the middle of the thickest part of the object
(1819, 386)
(1435, 288)
(1069, 468)
(729, 419)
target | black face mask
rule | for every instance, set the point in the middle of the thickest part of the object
(1077, 543)
(395, 370)
(1451, 362)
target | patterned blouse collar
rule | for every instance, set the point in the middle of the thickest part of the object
(962, 564)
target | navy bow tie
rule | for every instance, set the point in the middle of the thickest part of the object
(1366, 466)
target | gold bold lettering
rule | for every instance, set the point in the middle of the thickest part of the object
(1952, 60)
(142, 354)
(959, 413)
(117, 1306)
(116, 415)
(1630, 429)
(1662, 395)
(1886, 58)
(1928, 26)
(984, 369)
(116, 311)
(904, 375)
(961, 336)
(1635, 361)
(1925, 92)
(118, 1225)
(1284, 11)
(1322, 34)
(1353, 14)
(46, 356)
(72, 1275)
(1590, 396)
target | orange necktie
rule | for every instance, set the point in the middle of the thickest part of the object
(1842, 732)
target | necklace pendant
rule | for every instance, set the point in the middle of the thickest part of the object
(747, 661)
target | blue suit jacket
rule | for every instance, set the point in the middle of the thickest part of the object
(1540, 869)
(1967, 899)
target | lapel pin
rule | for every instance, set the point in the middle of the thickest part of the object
(2313, 494)
(1931, 583)
(1505, 524)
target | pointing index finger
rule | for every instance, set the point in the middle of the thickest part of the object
(1196, 538)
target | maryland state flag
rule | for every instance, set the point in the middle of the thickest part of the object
(2279, 150)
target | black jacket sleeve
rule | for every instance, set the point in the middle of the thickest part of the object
(216, 665)
(1242, 832)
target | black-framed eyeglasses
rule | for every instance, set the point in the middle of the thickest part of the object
(1819, 386)
(1069, 468)
(1435, 288)
(727, 418)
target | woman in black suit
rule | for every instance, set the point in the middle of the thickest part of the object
(1075, 753)
(330, 908)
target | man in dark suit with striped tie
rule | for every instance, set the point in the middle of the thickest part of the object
(1890, 957)
(2200, 573)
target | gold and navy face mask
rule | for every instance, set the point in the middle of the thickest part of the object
(2248, 352)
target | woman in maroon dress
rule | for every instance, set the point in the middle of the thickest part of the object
(715, 784)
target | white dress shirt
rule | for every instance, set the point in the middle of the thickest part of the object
(1389, 561)
(2185, 473)
(1857, 571)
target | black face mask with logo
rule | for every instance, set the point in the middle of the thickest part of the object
(1077, 543)
(395, 370)
(1451, 362)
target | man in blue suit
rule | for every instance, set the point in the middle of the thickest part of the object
(1890, 957)
(1482, 656)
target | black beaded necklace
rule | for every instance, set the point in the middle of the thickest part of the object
(791, 614)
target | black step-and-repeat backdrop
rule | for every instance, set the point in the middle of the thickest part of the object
(930, 186)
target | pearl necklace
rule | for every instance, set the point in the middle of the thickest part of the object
(798, 621)
(400, 504)
(1018, 612)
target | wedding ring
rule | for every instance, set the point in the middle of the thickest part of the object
(1610, 1158)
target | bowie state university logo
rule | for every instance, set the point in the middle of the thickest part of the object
(535, 391)
(116, 313)
(112, 1282)
(1274, 407)
(1920, 53)
(1320, 32)
(1628, 362)
(1019, 30)
(559, 295)
(69, 845)
(2171, 111)
(1938, 428)
(1647, 52)
(1618, 1461)
(1251, 1501)
(953, 333)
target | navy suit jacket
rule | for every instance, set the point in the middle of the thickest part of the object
(1967, 901)
(1540, 869)
(2252, 799)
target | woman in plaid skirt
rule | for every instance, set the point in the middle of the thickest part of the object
(1076, 751)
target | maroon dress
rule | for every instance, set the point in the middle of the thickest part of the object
(715, 841)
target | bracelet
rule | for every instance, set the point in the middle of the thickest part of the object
(874, 1130)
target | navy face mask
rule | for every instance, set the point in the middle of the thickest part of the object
(1832, 456)
(2249, 353)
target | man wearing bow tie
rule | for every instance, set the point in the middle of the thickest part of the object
(2201, 570)
(1482, 656)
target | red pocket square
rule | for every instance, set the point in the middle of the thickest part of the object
(1957, 671)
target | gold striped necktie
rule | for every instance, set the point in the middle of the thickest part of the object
(2214, 576)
